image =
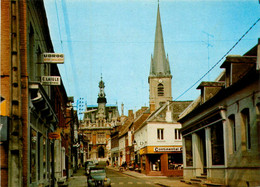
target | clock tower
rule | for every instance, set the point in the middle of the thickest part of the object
(160, 90)
(101, 100)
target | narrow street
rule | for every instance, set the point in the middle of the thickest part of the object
(79, 179)
(127, 178)
(119, 179)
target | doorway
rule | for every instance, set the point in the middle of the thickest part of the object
(155, 162)
(101, 152)
(202, 151)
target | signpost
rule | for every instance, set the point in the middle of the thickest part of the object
(54, 135)
(53, 58)
(50, 80)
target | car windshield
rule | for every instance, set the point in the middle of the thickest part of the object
(98, 171)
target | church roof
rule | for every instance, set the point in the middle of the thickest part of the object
(159, 63)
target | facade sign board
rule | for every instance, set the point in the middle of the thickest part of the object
(153, 149)
(54, 135)
(53, 58)
(167, 149)
(50, 80)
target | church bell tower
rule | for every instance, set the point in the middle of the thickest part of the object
(160, 90)
(101, 99)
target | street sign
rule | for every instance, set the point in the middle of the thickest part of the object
(53, 58)
(167, 149)
(50, 80)
(54, 135)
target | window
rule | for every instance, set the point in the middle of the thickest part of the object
(31, 66)
(160, 134)
(40, 155)
(175, 161)
(246, 124)
(101, 138)
(217, 144)
(233, 131)
(88, 136)
(177, 134)
(188, 148)
(33, 148)
(160, 89)
(44, 160)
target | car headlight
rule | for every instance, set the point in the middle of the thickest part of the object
(105, 179)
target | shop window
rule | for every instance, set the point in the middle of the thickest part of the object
(160, 134)
(175, 161)
(155, 162)
(188, 148)
(233, 131)
(177, 134)
(143, 162)
(33, 148)
(44, 158)
(246, 126)
(160, 89)
(217, 144)
(40, 156)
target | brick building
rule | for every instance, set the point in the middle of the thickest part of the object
(30, 110)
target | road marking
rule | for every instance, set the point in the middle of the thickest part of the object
(139, 183)
(148, 182)
(121, 183)
(130, 182)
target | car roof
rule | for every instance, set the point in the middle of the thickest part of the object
(97, 167)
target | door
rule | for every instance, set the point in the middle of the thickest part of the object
(202, 151)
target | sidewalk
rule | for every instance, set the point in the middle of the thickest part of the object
(160, 180)
(79, 179)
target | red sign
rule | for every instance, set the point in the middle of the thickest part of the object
(54, 135)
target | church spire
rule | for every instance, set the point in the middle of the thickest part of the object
(159, 63)
(160, 75)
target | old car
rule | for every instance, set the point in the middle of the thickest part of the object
(89, 164)
(98, 177)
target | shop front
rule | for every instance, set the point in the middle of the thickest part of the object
(160, 160)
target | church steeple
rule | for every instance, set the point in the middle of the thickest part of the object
(160, 74)
(159, 63)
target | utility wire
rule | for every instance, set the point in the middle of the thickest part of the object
(219, 60)
(72, 60)
(58, 24)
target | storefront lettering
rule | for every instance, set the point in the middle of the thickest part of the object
(167, 149)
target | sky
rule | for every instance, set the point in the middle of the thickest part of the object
(115, 39)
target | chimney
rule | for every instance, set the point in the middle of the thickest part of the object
(130, 114)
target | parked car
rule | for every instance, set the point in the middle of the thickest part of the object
(89, 164)
(98, 177)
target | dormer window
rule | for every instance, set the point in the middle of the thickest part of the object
(160, 89)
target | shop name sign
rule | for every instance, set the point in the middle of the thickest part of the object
(53, 58)
(167, 149)
(50, 80)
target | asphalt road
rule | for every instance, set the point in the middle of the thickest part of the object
(120, 179)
